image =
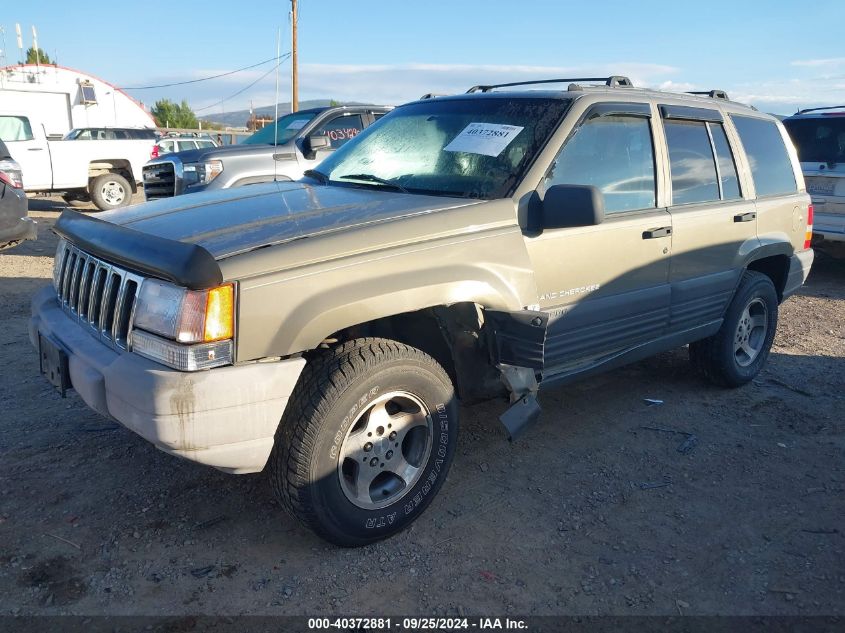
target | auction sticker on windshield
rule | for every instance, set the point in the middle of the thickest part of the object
(488, 139)
(297, 124)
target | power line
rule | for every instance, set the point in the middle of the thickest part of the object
(193, 81)
(232, 96)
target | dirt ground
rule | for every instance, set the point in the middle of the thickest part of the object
(595, 510)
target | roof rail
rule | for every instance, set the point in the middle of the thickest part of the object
(432, 95)
(713, 94)
(614, 81)
(805, 110)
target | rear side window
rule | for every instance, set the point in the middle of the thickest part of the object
(701, 162)
(767, 156)
(613, 153)
(726, 163)
(15, 128)
(186, 145)
(691, 162)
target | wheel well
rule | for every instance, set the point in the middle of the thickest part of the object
(776, 268)
(450, 334)
(112, 166)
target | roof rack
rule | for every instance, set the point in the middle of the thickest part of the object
(805, 110)
(614, 81)
(432, 95)
(713, 94)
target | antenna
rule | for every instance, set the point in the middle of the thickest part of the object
(276, 117)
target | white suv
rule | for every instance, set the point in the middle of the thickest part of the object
(819, 137)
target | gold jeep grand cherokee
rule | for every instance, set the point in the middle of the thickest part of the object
(461, 248)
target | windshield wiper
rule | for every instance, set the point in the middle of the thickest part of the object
(378, 179)
(316, 175)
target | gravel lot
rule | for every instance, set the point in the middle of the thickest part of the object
(590, 513)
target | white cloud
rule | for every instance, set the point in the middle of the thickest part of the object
(819, 63)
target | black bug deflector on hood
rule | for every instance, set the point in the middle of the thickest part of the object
(184, 264)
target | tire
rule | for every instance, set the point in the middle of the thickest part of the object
(110, 191)
(737, 352)
(335, 437)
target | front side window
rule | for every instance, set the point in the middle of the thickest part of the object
(341, 129)
(288, 126)
(15, 128)
(770, 165)
(613, 153)
(465, 147)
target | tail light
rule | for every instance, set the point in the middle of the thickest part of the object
(10, 174)
(155, 152)
(808, 236)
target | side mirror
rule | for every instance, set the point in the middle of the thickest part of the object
(567, 206)
(314, 144)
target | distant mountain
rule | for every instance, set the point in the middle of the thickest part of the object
(239, 117)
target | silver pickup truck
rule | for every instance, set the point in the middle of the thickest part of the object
(302, 140)
(464, 248)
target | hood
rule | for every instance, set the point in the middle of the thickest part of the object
(232, 221)
(222, 151)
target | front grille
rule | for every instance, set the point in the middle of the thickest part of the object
(159, 180)
(99, 295)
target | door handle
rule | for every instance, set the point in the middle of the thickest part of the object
(35, 149)
(745, 217)
(663, 231)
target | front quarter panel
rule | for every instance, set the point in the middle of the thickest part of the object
(295, 295)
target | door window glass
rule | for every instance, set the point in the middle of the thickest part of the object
(727, 166)
(613, 153)
(691, 162)
(770, 165)
(341, 129)
(15, 128)
(186, 145)
(166, 146)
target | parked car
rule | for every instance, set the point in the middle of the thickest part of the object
(109, 133)
(466, 247)
(105, 172)
(15, 226)
(171, 144)
(819, 137)
(302, 139)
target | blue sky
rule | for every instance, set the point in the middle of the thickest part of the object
(776, 55)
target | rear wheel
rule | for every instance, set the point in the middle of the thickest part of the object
(110, 191)
(366, 441)
(737, 352)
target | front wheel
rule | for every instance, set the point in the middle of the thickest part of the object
(737, 352)
(110, 191)
(366, 440)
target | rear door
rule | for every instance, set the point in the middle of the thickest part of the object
(28, 146)
(714, 224)
(781, 203)
(605, 287)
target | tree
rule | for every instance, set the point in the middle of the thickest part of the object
(42, 57)
(334, 103)
(170, 114)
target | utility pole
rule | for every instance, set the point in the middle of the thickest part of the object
(294, 97)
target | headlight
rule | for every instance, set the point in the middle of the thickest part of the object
(202, 173)
(195, 327)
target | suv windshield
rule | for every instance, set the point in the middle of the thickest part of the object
(818, 139)
(289, 126)
(473, 148)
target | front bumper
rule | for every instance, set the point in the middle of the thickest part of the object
(225, 417)
(23, 229)
(799, 268)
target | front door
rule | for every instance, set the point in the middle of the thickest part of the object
(30, 151)
(605, 287)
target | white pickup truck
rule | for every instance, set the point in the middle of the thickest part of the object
(105, 172)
